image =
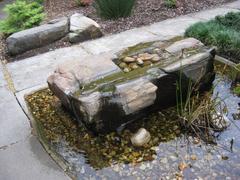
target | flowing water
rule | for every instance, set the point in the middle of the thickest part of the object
(170, 150)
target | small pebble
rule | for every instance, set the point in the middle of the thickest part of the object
(129, 59)
(182, 166)
(126, 70)
(140, 61)
(193, 157)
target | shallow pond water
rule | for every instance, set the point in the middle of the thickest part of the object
(113, 157)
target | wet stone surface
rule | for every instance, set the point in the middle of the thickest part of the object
(170, 153)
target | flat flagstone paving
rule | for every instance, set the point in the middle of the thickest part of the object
(172, 27)
(211, 13)
(119, 41)
(235, 5)
(34, 71)
(28, 160)
(21, 154)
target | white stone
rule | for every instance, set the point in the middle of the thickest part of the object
(141, 138)
(83, 28)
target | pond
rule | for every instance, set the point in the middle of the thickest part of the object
(171, 153)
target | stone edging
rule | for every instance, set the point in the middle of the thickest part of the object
(77, 28)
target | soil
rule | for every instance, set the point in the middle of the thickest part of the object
(145, 12)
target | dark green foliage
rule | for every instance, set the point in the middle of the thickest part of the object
(21, 15)
(231, 20)
(222, 32)
(170, 3)
(113, 9)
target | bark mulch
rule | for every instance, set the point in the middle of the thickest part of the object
(145, 12)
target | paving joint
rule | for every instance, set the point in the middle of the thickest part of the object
(8, 78)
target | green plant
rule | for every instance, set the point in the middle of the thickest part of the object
(236, 90)
(170, 3)
(200, 114)
(230, 20)
(113, 9)
(83, 2)
(220, 32)
(21, 15)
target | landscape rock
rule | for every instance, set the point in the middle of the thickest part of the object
(69, 76)
(219, 122)
(83, 28)
(136, 95)
(45, 34)
(103, 97)
(183, 44)
(141, 138)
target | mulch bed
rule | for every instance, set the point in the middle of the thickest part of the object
(145, 12)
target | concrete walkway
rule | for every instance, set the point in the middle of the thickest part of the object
(21, 154)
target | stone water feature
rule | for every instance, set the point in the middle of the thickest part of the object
(107, 90)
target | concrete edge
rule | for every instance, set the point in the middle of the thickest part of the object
(20, 96)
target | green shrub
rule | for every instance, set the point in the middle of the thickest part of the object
(230, 20)
(113, 9)
(221, 33)
(21, 15)
(170, 3)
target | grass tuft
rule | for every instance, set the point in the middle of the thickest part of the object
(114, 9)
(223, 32)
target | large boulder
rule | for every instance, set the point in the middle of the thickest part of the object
(71, 76)
(103, 96)
(45, 34)
(83, 28)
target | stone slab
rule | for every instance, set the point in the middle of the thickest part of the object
(35, 37)
(71, 75)
(234, 5)
(172, 27)
(212, 13)
(14, 125)
(28, 160)
(35, 70)
(119, 41)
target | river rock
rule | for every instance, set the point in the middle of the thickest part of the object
(129, 59)
(155, 58)
(219, 122)
(145, 56)
(83, 28)
(141, 138)
(126, 70)
(140, 61)
(133, 66)
(45, 34)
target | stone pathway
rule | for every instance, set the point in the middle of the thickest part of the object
(21, 154)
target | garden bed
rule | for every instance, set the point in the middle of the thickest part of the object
(145, 12)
